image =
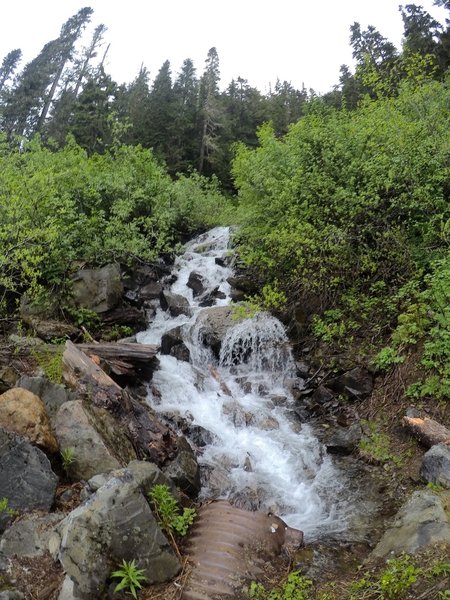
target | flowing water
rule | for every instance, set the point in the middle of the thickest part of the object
(257, 451)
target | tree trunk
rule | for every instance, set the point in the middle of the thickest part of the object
(427, 431)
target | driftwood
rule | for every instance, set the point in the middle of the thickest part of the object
(125, 359)
(151, 439)
(427, 431)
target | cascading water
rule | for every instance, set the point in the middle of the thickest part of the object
(258, 452)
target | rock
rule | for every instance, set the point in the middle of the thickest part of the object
(210, 298)
(342, 440)
(79, 429)
(8, 378)
(24, 413)
(357, 383)
(175, 304)
(53, 395)
(25, 342)
(196, 284)
(436, 465)
(151, 291)
(213, 323)
(115, 524)
(268, 423)
(30, 535)
(11, 595)
(67, 590)
(26, 477)
(99, 290)
(50, 329)
(420, 522)
(184, 470)
(322, 395)
(172, 343)
(303, 369)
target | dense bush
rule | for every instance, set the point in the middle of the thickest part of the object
(61, 208)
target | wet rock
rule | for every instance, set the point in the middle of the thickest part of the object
(24, 413)
(213, 323)
(175, 304)
(151, 291)
(303, 369)
(421, 522)
(210, 299)
(342, 440)
(115, 524)
(322, 395)
(196, 283)
(53, 395)
(184, 470)
(99, 290)
(30, 535)
(237, 414)
(436, 465)
(357, 383)
(268, 424)
(246, 499)
(172, 343)
(26, 477)
(75, 429)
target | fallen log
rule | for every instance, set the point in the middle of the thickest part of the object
(151, 439)
(125, 359)
(427, 431)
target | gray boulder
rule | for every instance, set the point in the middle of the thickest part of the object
(30, 535)
(175, 304)
(436, 465)
(184, 470)
(97, 440)
(115, 524)
(420, 522)
(213, 324)
(99, 290)
(172, 343)
(26, 476)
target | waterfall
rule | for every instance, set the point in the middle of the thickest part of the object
(257, 453)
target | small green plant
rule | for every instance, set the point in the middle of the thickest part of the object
(445, 595)
(386, 358)
(50, 361)
(398, 577)
(434, 487)
(168, 512)
(4, 507)
(68, 458)
(375, 445)
(296, 587)
(132, 578)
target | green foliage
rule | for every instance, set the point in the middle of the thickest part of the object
(348, 212)
(68, 458)
(296, 587)
(50, 360)
(392, 583)
(4, 507)
(168, 512)
(84, 317)
(376, 445)
(131, 577)
(386, 358)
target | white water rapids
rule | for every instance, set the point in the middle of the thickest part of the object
(258, 447)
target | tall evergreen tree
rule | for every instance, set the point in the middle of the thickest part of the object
(9, 65)
(210, 114)
(185, 91)
(161, 112)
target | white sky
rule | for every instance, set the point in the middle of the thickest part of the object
(295, 40)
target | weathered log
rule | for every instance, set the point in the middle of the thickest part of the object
(151, 439)
(427, 431)
(125, 359)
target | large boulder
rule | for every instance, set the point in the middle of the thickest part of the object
(26, 476)
(53, 395)
(212, 325)
(98, 442)
(24, 413)
(196, 283)
(172, 343)
(184, 469)
(30, 535)
(99, 290)
(436, 465)
(420, 522)
(174, 304)
(115, 524)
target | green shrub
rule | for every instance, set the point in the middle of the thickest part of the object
(168, 512)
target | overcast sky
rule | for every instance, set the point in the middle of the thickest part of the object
(259, 40)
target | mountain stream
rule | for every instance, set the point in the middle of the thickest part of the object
(257, 448)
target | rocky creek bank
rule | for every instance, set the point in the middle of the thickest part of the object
(65, 528)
